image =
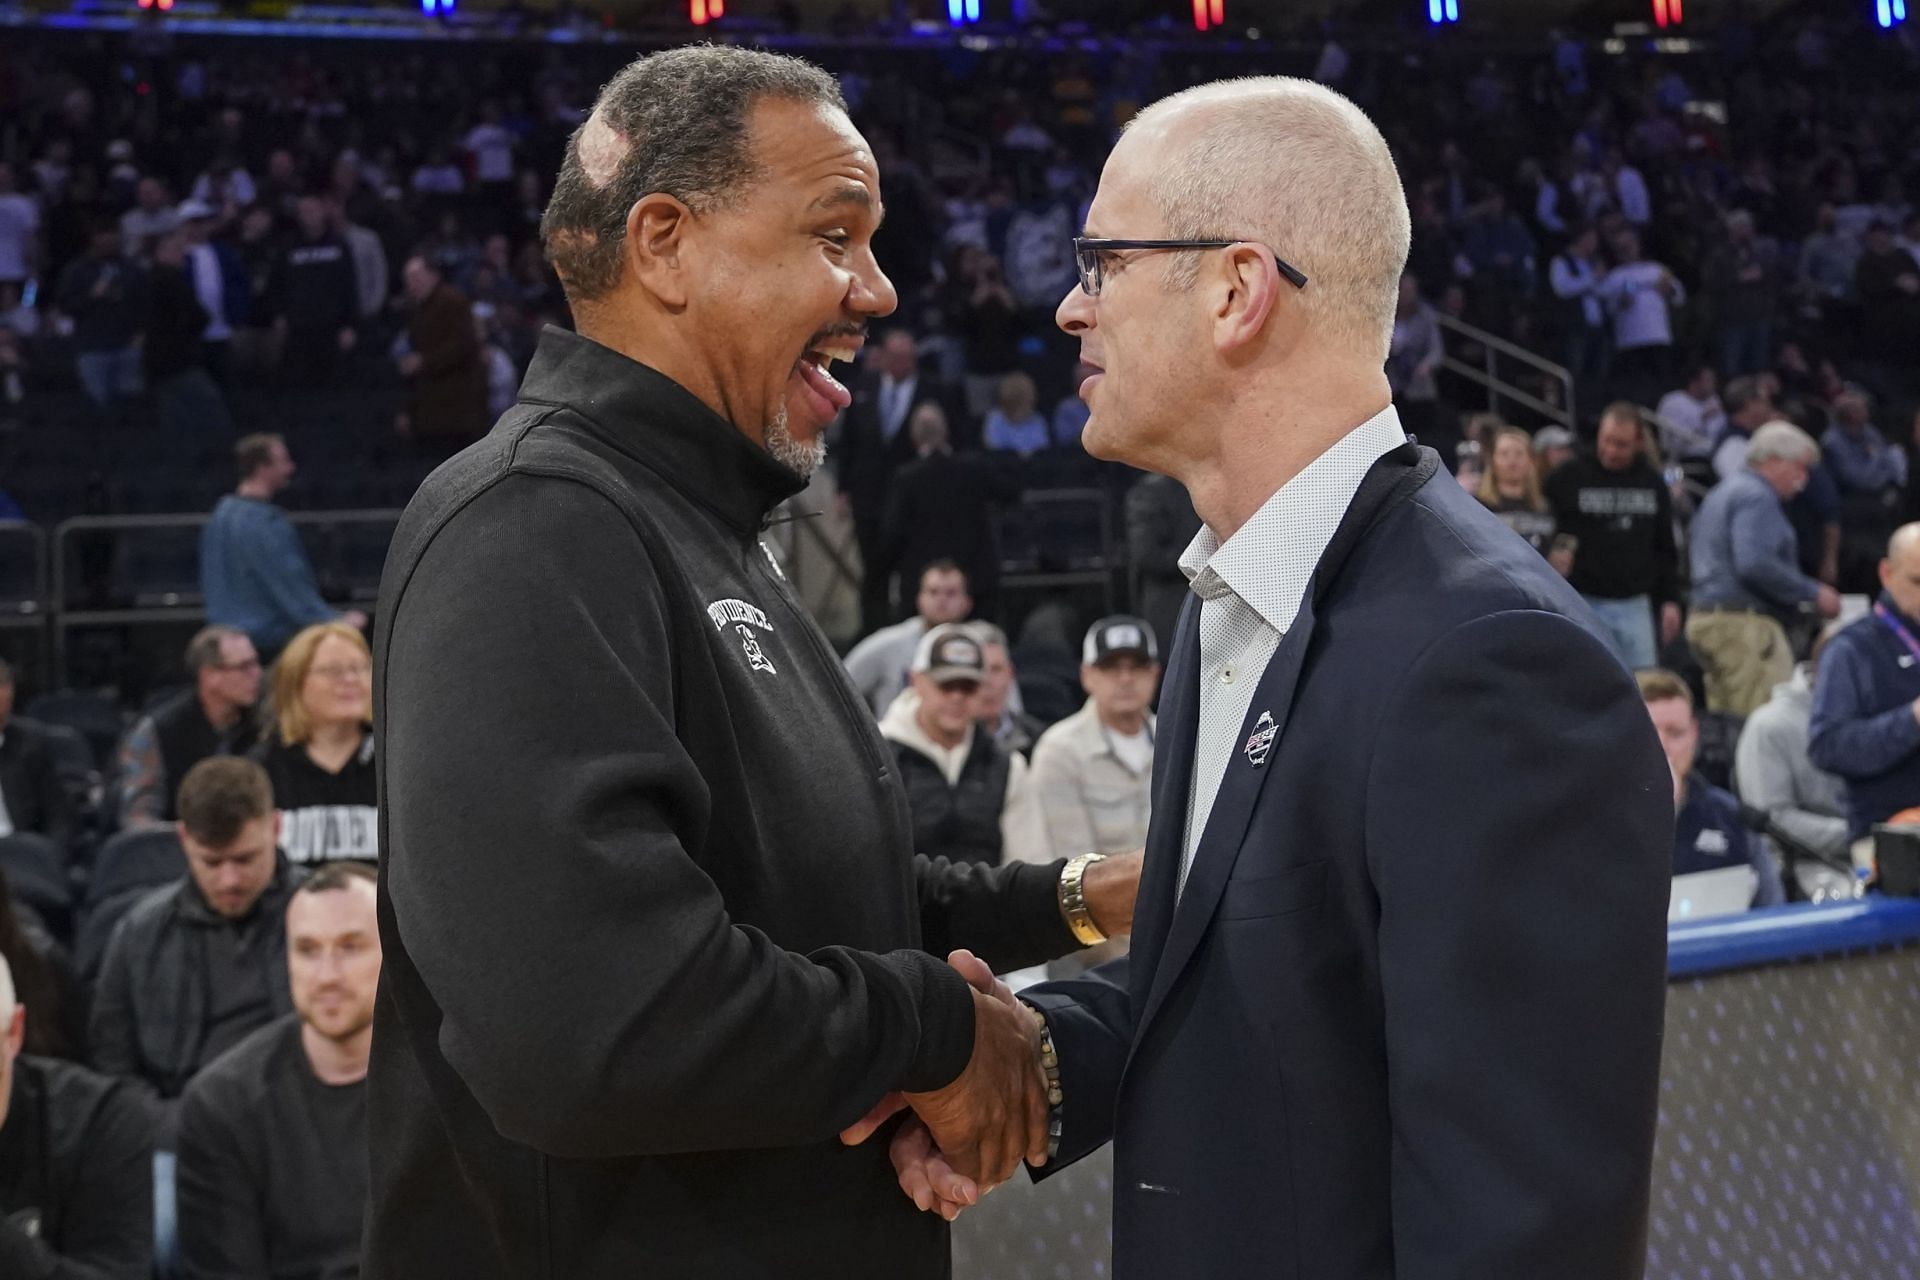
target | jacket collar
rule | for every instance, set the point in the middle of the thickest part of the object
(657, 422)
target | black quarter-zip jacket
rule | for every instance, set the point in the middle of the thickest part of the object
(654, 929)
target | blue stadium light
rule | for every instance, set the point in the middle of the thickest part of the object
(1441, 12)
(1891, 13)
(962, 12)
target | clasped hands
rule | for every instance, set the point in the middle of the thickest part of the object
(969, 1137)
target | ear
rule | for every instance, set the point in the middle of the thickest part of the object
(655, 244)
(1247, 287)
(1086, 679)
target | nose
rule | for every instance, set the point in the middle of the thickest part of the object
(1075, 313)
(871, 293)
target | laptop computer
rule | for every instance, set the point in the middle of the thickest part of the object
(1701, 895)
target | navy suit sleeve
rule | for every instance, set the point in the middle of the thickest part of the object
(1091, 1018)
(1518, 829)
(1844, 737)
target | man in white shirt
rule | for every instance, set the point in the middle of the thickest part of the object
(1640, 294)
(878, 665)
(1093, 771)
(1691, 418)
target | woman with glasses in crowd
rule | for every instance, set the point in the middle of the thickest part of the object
(318, 747)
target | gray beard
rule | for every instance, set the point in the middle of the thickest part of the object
(801, 459)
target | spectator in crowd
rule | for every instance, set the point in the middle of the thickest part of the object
(254, 569)
(225, 185)
(1016, 424)
(1866, 699)
(19, 231)
(1161, 522)
(970, 800)
(1692, 419)
(214, 718)
(101, 292)
(315, 299)
(1617, 507)
(1871, 476)
(76, 1164)
(941, 508)
(1071, 413)
(989, 327)
(1775, 774)
(1575, 276)
(874, 443)
(273, 1136)
(997, 708)
(1828, 258)
(1749, 407)
(1413, 361)
(1553, 448)
(369, 257)
(1641, 295)
(32, 796)
(879, 664)
(187, 402)
(1510, 488)
(446, 378)
(1742, 282)
(1746, 572)
(1093, 771)
(43, 980)
(319, 749)
(1888, 281)
(1708, 834)
(151, 217)
(219, 283)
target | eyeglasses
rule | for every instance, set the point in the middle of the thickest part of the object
(358, 671)
(251, 664)
(1089, 254)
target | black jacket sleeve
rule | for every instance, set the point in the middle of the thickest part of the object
(107, 1218)
(1541, 1171)
(1009, 915)
(1091, 1019)
(596, 998)
(221, 1234)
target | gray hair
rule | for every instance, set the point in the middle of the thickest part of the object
(674, 123)
(1301, 169)
(1784, 442)
(203, 650)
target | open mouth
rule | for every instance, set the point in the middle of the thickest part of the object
(822, 393)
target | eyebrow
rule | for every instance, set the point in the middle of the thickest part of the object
(840, 197)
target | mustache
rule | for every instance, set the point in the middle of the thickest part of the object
(858, 332)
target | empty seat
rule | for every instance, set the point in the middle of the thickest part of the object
(130, 865)
(95, 718)
(36, 871)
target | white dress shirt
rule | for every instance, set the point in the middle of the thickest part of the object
(1251, 588)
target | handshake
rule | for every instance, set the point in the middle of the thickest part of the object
(969, 1137)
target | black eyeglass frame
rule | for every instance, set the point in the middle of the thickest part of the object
(1087, 251)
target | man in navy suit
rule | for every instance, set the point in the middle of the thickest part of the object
(1394, 1005)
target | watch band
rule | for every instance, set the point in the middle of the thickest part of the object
(1073, 900)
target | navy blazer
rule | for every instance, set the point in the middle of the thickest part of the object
(1405, 1019)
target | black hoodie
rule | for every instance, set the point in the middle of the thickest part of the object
(652, 921)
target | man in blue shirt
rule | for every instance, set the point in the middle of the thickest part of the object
(1707, 832)
(253, 569)
(1746, 572)
(1866, 699)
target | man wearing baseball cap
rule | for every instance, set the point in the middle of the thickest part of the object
(1093, 772)
(970, 800)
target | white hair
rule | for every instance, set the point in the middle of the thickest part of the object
(1297, 167)
(1784, 441)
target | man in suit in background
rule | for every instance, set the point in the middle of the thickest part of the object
(875, 443)
(32, 797)
(1394, 1006)
(941, 508)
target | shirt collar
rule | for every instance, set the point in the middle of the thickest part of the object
(1311, 504)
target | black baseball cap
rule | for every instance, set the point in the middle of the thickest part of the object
(1119, 636)
(948, 653)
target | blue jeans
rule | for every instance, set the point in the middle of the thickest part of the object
(109, 376)
(1628, 625)
(166, 1219)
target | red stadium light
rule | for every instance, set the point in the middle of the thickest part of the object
(1667, 13)
(705, 11)
(1208, 14)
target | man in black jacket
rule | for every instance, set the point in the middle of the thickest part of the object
(76, 1166)
(940, 507)
(653, 933)
(32, 796)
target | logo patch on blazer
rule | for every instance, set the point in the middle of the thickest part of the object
(743, 618)
(1260, 741)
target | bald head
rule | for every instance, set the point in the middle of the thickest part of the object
(1297, 167)
(1900, 571)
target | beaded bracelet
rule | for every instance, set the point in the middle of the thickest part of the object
(1050, 1069)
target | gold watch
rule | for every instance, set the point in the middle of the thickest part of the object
(1073, 900)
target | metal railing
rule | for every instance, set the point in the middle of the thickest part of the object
(1487, 372)
(23, 553)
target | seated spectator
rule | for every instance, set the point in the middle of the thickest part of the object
(273, 1136)
(970, 800)
(1749, 408)
(1616, 505)
(1071, 414)
(879, 664)
(998, 709)
(446, 376)
(1707, 832)
(1746, 572)
(1866, 697)
(43, 979)
(1804, 803)
(1413, 363)
(211, 719)
(940, 507)
(197, 966)
(253, 568)
(76, 1164)
(319, 752)
(32, 796)
(1093, 772)
(1016, 425)
(1692, 418)
(1510, 488)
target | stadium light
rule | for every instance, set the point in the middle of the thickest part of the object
(1442, 12)
(1667, 13)
(1208, 14)
(1891, 13)
(704, 11)
(962, 12)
